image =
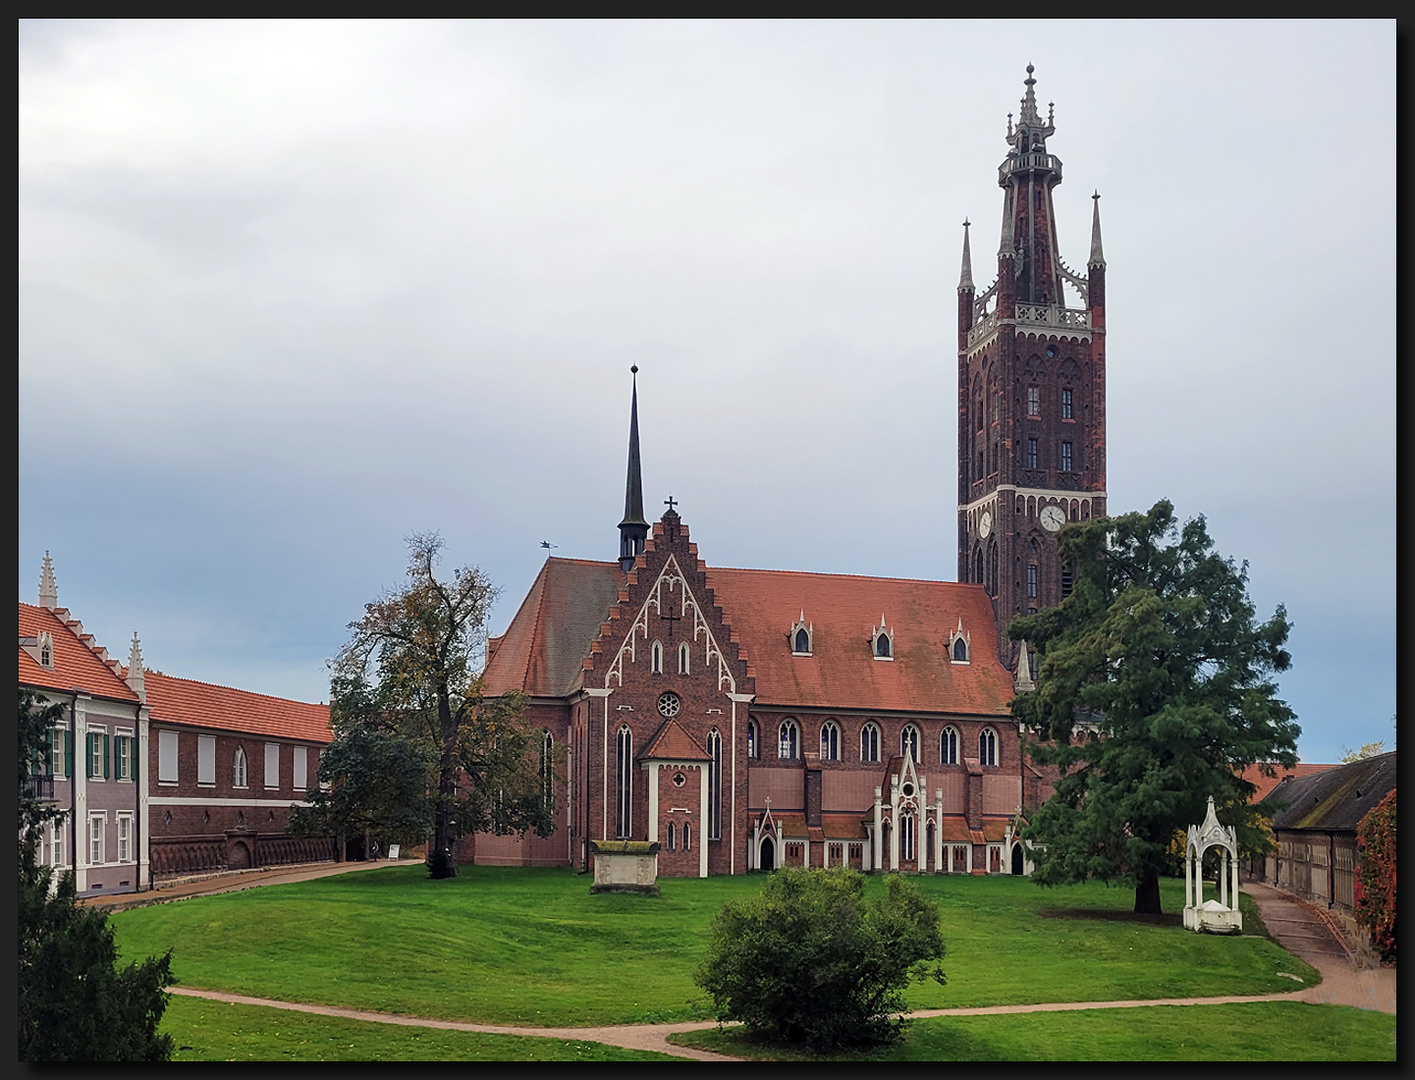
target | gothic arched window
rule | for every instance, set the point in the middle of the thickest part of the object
(869, 743)
(830, 741)
(238, 777)
(753, 745)
(789, 744)
(882, 646)
(656, 659)
(671, 838)
(803, 643)
(948, 746)
(909, 743)
(624, 777)
(960, 650)
(547, 768)
(683, 659)
(987, 747)
(714, 812)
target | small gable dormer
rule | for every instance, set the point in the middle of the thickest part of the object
(882, 641)
(802, 636)
(959, 644)
(40, 649)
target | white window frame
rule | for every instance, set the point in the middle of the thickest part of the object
(167, 746)
(240, 768)
(56, 751)
(95, 752)
(272, 765)
(96, 839)
(125, 838)
(123, 755)
(206, 760)
(302, 768)
(56, 841)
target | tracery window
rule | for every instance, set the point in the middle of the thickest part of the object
(869, 743)
(948, 746)
(987, 747)
(789, 744)
(830, 741)
(909, 743)
(906, 838)
(1034, 400)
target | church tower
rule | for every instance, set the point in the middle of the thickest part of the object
(1031, 389)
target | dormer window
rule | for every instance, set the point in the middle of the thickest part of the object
(958, 644)
(801, 634)
(46, 650)
(882, 642)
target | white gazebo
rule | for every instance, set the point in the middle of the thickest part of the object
(1213, 915)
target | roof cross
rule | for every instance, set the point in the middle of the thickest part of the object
(670, 502)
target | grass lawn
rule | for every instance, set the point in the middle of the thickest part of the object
(218, 1031)
(534, 947)
(1254, 1031)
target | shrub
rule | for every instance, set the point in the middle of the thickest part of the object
(1375, 878)
(811, 962)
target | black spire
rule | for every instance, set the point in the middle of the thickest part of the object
(633, 529)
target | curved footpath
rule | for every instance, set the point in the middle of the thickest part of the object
(1298, 927)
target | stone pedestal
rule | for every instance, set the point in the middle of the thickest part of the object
(626, 866)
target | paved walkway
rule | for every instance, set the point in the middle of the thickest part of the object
(1297, 926)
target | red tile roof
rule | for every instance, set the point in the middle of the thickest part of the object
(185, 701)
(541, 650)
(672, 743)
(79, 662)
(842, 673)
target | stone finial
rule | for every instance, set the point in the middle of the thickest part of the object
(1029, 101)
(1097, 256)
(1023, 683)
(965, 277)
(136, 670)
(48, 589)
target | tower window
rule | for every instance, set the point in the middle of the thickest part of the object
(1031, 453)
(1034, 401)
(1065, 457)
(1032, 581)
(1066, 581)
(1066, 413)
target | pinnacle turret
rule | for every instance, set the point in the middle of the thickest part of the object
(965, 277)
(1097, 256)
(48, 589)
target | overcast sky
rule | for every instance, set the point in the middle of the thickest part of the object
(290, 292)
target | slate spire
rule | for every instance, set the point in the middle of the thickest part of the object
(633, 529)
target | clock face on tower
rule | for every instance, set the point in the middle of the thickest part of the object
(985, 525)
(1053, 517)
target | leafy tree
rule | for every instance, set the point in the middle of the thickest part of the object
(75, 1003)
(373, 778)
(1154, 692)
(810, 961)
(1366, 750)
(1375, 879)
(410, 665)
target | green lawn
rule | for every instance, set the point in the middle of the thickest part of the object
(1250, 1032)
(218, 1031)
(534, 947)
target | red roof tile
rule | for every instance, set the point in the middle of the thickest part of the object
(185, 701)
(79, 662)
(541, 650)
(672, 743)
(1265, 784)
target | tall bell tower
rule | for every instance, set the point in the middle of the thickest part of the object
(1031, 388)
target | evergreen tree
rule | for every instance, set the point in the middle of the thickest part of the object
(1154, 692)
(75, 1002)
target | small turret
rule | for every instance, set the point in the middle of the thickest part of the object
(136, 669)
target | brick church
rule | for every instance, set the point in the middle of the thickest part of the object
(750, 719)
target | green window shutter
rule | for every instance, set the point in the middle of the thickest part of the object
(106, 741)
(88, 754)
(68, 754)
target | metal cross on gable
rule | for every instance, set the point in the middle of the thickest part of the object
(670, 619)
(670, 502)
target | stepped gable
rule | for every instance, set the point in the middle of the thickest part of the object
(80, 663)
(667, 552)
(842, 672)
(541, 652)
(186, 701)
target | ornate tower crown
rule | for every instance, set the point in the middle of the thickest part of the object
(1029, 139)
